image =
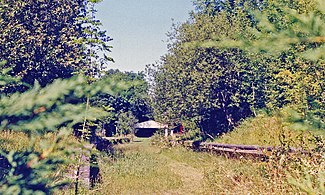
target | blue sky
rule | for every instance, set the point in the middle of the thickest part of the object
(139, 28)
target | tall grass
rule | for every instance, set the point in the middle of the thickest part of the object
(145, 169)
(142, 168)
(18, 141)
(302, 171)
(268, 130)
(139, 170)
(14, 141)
(231, 176)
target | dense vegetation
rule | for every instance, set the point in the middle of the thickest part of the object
(42, 43)
(45, 40)
(231, 59)
(255, 68)
(127, 108)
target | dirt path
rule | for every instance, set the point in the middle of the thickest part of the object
(191, 177)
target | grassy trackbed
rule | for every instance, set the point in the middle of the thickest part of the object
(141, 168)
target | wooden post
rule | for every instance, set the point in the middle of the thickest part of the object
(166, 132)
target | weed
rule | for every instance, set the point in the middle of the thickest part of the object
(136, 172)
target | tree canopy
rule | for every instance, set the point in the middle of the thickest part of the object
(45, 40)
(127, 107)
(209, 76)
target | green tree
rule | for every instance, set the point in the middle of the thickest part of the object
(54, 108)
(125, 123)
(214, 87)
(45, 40)
(293, 39)
(134, 100)
(208, 76)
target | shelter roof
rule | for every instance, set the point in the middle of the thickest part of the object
(150, 125)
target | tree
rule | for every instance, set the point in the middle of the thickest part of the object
(125, 123)
(45, 40)
(214, 87)
(208, 76)
(54, 108)
(293, 38)
(133, 102)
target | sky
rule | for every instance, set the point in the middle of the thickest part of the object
(138, 29)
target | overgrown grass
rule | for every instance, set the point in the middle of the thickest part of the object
(18, 141)
(141, 168)
(14, 141)
(300, 172)
(138, 170)
(231, 176)
(145, 169)
(267, 130)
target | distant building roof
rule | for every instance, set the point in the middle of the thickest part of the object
(150, 125)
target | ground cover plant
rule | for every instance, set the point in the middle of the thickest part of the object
(304, 170)
(55, 108)
(139, 167)
(246, 72)
(270, 130)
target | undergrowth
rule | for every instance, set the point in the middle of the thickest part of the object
(284, 172)
(136, 171)
(142, 168)
(69, 150)
(265, 130)
(231, 176)
(18, 141)
(302, 170)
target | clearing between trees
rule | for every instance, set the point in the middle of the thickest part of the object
(142, 168)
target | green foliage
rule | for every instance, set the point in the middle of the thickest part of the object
(303, 171)
(214, 87)
(40, 42)
(135, 98)
(7, 80)
(133, 101)
(38, 111)
(191, 131)
(94, 40)
(30, 171)
(46, 109)
(300, 121)
(290, 37)
(304, 29)
(273, 130)
(23, 179)
(125, 123)
(44, 163)
(45, 40)
(233, 58)
(294, 41)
